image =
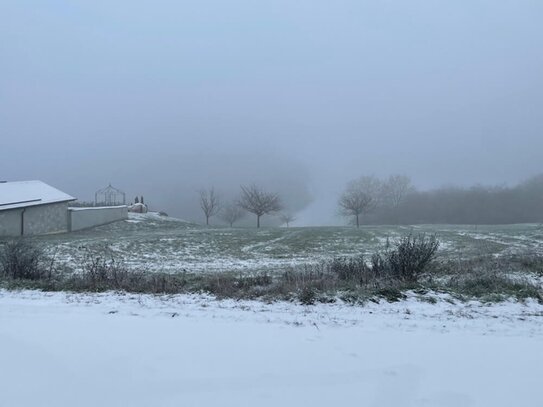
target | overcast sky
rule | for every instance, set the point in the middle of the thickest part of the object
(164, 97)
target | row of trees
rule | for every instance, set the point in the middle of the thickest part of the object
(253, 199)
(396, 201)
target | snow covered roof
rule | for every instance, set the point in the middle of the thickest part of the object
(21, 194)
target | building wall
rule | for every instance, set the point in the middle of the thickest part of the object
(39, 219)
(83, 218)
(57, 218)
(10, 222)
(42, 219)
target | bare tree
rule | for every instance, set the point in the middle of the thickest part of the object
(287, 218)
(393, 193)
(255, 200)
(360, 197)
(394, 190)
(210, 203)
(232, 213)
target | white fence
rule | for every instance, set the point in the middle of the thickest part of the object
(83, 218)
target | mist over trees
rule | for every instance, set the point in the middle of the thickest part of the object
(359, 198)
(393, 192)
(231, 213)
(287, 218)
(287, 179)
(476, 205)
(399, 202)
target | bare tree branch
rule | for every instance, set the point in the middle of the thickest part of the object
(232, 213)
(359, 198)
(394, 190)
(210, 203)
(254, 200)
(287, 218)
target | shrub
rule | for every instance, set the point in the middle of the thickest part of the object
(391, 294)
(316, 276)
(408, 264)
(22, 259)
(485, 283)
(307, 296)
(101, 272)
(259, 280)
(405, 262)
(408, 260)
(224, 285)
(531, 262)
(488, 276)
(349, 268)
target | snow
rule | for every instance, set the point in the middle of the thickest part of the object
(60, 349)
(21, 194)
(152, 215)
(166, 244)
(77, 208)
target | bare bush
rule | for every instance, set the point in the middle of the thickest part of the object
(350, 268)
(493, 282)
(493, 278)
(405, 262)
(403, 265)
(531, 262)
(22, 259)
(105, 272)
(237, 286)
(406, 265)
(409, 259)
(102, 271)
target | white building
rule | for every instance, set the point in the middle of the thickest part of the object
(35, 208)
(31, 208)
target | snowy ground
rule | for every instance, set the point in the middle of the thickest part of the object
(60, 349)
(154, 243)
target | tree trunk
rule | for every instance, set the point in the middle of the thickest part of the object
(257, 221)
(207, 220)
(357, 222)
(396, 216)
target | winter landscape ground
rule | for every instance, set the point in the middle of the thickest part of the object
(139, 350)
(112, 348)
(159, 243)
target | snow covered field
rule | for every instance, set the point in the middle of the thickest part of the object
(155, 243)
(111, 349)
(59, 349)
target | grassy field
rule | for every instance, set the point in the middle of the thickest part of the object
(155, 243)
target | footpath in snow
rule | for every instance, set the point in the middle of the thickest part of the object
(59, 349)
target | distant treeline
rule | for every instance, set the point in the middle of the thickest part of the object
(522, 203)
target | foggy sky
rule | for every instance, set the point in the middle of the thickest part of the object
(161, 98)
